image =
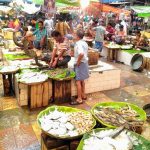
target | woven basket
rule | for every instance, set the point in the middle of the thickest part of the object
(93, 57)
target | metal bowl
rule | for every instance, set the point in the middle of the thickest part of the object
(146, 108)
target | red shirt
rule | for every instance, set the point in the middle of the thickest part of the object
(111, 30)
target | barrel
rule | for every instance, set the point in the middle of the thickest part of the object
(93, 57)
(138, 62)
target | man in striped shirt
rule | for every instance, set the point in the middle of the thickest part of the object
(60, 54)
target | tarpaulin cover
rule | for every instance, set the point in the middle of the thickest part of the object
(142, 11)
(95, 9)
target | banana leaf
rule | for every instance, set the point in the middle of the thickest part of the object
(66, 110)
(16, 56)
(118, 105)
(144, 145)
(134, 51)
(63, 74)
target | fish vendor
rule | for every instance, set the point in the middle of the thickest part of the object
(60, 55)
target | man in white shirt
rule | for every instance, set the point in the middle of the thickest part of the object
(81, 66)
(49, 25)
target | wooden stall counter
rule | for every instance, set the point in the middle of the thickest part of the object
(34, 95)
(112, 54)
(8, 76)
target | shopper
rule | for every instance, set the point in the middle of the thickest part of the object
(81, 66)
(41, 35)
(62, 27)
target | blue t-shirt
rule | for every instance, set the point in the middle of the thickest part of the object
(40, 34)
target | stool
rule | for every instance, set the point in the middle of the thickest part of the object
(49, 143)
(8, 83)
(61, 91)
(112, 54)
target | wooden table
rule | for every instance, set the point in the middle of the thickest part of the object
(112, 53)
(8, 82)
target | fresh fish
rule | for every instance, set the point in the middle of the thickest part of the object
(113, 134)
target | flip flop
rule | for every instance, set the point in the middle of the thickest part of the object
(76, 102)
(85, 98)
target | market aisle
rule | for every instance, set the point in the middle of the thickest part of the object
(18, 127)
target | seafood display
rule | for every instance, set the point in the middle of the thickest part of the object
(31, 76)
(113, 45)
(119, 116)
(113, 139)
(129, 46)
(82, 123)
(64, 124)
(8, 69)
(60, 74)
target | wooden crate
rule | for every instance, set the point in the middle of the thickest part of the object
(37, 95)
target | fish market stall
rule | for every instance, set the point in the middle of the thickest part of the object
(62, 87)
(8, 77)
(64, 126)
(116, 114)
(110, 139)
(112, 50)
(61, 84)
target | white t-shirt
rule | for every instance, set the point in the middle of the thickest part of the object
(49, 24)
(122, 16)
(81, 47)
(124, 26)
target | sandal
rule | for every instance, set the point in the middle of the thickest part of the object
(76, 102)
(84, 98)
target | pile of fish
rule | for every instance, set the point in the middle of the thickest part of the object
(113, 45)
(63, 124)
(117, 139)
(55, 72)
(82, 122)
(118, 117)
(60, 73)
(129, 46)
(8, 69)
(29, 77)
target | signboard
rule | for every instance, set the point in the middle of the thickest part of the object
(49, 7)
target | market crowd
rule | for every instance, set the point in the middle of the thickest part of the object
(68, 38)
